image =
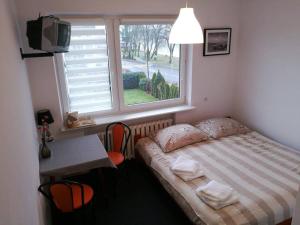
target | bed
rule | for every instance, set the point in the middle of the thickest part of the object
(265, 173)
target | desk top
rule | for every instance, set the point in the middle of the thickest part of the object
(74, 155)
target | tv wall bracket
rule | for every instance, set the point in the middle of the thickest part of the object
(35, 55)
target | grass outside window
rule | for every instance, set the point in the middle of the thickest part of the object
(137, 96)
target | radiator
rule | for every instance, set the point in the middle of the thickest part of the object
(138, 130)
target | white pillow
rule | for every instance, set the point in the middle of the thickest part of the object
(178, 136)
(221, 127)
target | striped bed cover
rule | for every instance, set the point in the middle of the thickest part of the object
(265, 173)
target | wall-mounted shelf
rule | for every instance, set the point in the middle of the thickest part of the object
(35, 55)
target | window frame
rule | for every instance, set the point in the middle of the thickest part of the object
(111, 68)
(115, 66)
(182, 67)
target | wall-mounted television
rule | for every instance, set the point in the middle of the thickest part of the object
(49, 33)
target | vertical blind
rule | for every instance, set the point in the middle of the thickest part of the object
(86, 68)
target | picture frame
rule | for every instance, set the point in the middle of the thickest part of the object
(217, 41)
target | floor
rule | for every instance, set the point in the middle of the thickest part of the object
(139, 200)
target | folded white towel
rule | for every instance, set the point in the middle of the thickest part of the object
(217, 195)
(186, 169)
(215, 191)
(218, 205)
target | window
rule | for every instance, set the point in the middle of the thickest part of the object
(116, 65)
(86, 69)
(150, 65)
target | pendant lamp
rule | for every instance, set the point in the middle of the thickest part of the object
(186, 29)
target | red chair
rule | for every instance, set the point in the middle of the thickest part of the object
(117, 148)
(66, 196)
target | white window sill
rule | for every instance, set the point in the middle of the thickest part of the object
(132, 116)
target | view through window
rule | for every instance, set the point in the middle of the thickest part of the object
(150, 64)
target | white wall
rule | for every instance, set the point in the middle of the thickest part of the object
(268, 85)
(19, 168)
(212, 76)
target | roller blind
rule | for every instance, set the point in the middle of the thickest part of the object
(86, 69)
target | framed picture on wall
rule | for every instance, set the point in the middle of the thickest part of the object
(217, 41)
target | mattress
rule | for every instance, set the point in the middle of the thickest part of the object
(265, 173)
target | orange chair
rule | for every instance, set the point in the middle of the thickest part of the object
(120, 136)
(67, 196)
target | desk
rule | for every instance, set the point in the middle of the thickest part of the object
(74, 155)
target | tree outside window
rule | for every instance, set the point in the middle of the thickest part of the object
(150, 64)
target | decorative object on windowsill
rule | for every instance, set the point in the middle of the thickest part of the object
(44, 118)
(186, 29)
(217, 41)
(73, 120)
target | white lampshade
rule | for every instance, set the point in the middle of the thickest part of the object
(186, 29)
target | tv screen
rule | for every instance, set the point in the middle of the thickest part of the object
(64, 33)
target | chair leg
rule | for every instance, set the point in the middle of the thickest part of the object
(123, 171)
(119, 173)
(126, 172)
(114, 175)
(56, 217)
(93, 211)
(102, 186)
(83, 216)
(115, 182)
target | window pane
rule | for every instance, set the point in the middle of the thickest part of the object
(87, 69)
(150, 65)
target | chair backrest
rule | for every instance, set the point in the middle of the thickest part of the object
(60, 194)
(120, 136)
